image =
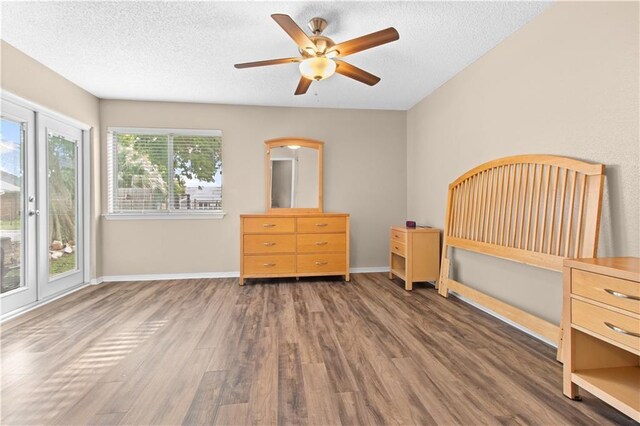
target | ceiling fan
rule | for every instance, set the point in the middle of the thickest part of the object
(320, 53)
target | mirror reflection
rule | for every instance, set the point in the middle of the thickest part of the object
(294, 177)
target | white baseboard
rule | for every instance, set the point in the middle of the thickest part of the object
(370, 269)
(161, 277)
(199, 275)
(503, 319)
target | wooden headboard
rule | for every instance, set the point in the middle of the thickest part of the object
(532, 209)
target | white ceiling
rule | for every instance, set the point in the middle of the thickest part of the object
(185, 51)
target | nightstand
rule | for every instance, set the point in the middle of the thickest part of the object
(414, 254)
(601, 324)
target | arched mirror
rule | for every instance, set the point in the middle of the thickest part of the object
(294, 175)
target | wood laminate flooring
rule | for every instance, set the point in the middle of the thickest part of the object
(310, 352)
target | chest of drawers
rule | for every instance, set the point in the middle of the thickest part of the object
(294, 245)
(601, 323)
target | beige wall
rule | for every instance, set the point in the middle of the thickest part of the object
(364, 175)
(566, 84)
(29, 79)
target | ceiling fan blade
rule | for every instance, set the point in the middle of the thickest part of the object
(368, 41)
(267, 62)
(356, 73)
(294, 31)
(303, 86)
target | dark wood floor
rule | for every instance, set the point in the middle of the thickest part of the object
(208, 351)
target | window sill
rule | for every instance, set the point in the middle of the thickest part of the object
(164, 216)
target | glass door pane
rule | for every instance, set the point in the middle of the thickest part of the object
(62, 204)
(60, 233)
(18, 212)
(11, 202)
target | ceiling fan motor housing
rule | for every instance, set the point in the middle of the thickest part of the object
(317, 25)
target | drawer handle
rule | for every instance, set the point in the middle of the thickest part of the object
(322, 225)
(269, 244)
(621, 330)
(321, 243)
(319, 263)
(269, 225)
(268, 265)
(621, 295)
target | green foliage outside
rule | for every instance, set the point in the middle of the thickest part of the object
(62, 264)
(10, 225)
(62, 189)
(143, 162)
(11, 280)
(197, 158)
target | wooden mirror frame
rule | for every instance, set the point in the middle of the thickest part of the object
(282, 142)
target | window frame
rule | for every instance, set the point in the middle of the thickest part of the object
(112, 173)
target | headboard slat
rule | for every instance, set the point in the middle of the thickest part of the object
(545, 208)
(552, 217)
(492, 204)
(563, 196)
(583, 187)
(567, 244)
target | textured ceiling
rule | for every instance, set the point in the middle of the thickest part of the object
(185, 51)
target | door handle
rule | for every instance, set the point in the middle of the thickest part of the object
(34, 212)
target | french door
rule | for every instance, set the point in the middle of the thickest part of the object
(41, 221)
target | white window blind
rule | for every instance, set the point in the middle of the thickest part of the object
(164, 171)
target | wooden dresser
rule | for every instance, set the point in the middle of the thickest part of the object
(294, 245)
(601, 344)
(414, 254)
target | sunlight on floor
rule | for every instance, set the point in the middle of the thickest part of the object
(65, 387)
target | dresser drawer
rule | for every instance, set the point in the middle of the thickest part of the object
(265, 244)
(268, 225)
(312, 225)
(612, 291)
(270, 264)
(595, 319)
(398, 248)
(399, 236)
(322, 243)
(322, 263)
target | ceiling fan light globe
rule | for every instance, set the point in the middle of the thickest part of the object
(317, 68)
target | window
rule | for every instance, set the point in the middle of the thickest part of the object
(164, 172)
